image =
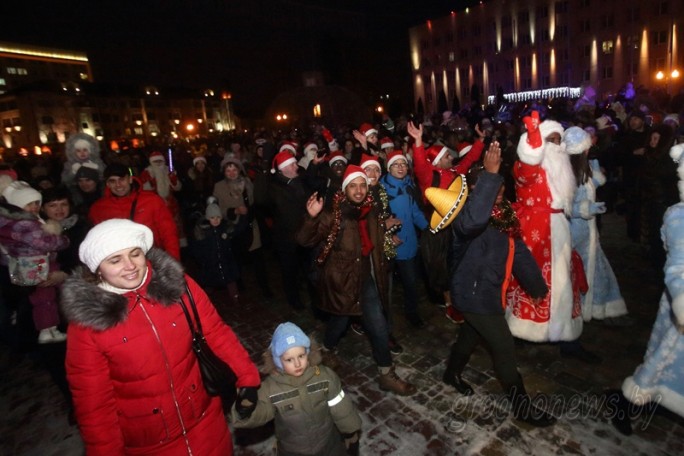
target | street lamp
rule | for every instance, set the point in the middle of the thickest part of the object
(660, 76)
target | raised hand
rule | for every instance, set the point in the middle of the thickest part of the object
(415, 132)
(534, 138)
(361, 138)
(314, 205)
(492, 158)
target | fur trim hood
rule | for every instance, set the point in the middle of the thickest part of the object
(269, 367)
(85, 303)
(71, 149)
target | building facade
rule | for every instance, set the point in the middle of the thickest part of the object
(527, 48)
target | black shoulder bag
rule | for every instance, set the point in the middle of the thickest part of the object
(218, 377)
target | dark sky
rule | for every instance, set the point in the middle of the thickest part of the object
(255, 48)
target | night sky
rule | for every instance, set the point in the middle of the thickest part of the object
(254, 48)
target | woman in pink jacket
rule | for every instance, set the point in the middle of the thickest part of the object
(135, 380)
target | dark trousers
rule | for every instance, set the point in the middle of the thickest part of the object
(373, 321)
(408, 273)
(294, 262)
(493, 331)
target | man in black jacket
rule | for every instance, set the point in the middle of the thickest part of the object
(487, 249)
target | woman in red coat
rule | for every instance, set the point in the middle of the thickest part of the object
(135, 380)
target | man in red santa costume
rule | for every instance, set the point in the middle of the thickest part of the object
(545, 190)
(160, 179)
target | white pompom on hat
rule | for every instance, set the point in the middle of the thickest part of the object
(352, 172)
(111, 236)
(20, 193)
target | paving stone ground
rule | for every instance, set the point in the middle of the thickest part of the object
(437, 420)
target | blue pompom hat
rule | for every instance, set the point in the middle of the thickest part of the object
(286, 336)
(576, 140)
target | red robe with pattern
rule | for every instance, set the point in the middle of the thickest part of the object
(546, 231)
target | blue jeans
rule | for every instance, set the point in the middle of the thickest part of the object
(373, 321)
(408, 273)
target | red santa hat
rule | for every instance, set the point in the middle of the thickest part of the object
(367, 130)
(310, 147)
(463, 148)
(436, 152)
(352, 172)
(288, 146)
(369, 160)
(394, 156)
(336, 156)
(156, 156)
(386, 143)
(281, 160)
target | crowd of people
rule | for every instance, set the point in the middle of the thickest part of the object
(499, 220)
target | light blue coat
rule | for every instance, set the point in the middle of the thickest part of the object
(661, 376)
(603, 298)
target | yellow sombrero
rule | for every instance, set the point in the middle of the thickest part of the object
(447, 202)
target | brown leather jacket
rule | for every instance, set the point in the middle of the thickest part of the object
(345, 269)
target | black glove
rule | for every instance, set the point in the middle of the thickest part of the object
(351, 442)
(246, 401)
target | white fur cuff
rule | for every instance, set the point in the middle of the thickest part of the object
(527, 154)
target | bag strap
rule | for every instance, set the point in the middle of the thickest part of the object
(195, 327)
(132, 216)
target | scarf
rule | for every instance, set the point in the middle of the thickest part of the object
(364, 209)
(504, 219)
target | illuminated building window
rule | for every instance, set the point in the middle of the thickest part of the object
(83, 76)
(452, 57)
(607, 47)
(11, 70)
(22, 71)
(2, 82)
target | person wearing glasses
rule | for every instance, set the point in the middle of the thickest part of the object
(403, 198)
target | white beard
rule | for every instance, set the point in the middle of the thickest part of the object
(160, 174)
(559, 176)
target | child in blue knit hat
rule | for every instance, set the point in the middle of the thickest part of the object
(312, 414)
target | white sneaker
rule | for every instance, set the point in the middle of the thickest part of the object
(51, 335)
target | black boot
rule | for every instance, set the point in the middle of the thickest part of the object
(617, 407)
(523, 409)
(452, 373)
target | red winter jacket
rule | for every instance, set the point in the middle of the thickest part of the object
(150, 210)
(135, 380)
(424, 170)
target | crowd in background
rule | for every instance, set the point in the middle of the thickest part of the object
(227, 206)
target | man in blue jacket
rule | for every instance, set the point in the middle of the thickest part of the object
(401, 193)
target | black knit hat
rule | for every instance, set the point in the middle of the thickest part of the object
(116, 169)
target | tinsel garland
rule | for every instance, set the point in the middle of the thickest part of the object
(389, 248)
(504, 218)
(337, 221)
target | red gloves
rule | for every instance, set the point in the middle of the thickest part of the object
(173, 178)
(534, 138)
(332, 144)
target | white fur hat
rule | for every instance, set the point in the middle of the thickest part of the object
(550, 126)
(20, 193)
(110, 237)
(576, 140)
